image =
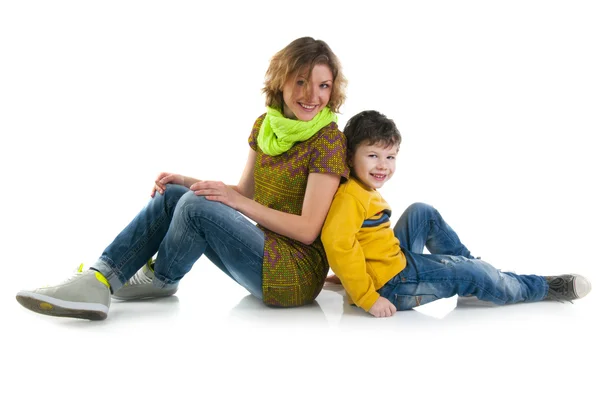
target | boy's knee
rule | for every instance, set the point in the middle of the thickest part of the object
(420, 208)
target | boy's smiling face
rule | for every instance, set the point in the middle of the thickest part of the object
(374, 164)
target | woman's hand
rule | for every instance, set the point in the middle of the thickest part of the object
(382, 308)
(219, 192)
(163, 179)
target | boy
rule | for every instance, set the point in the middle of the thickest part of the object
(384, 270)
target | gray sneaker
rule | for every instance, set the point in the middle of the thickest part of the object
(567, 287)
(85, 295)
(140, 286)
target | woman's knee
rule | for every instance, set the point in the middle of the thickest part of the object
(191, 205)
(169, 199)
(172, 194)
(175, 191)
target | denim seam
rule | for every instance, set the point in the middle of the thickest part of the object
(169, 266)
(144, 239)
(258, 258)
(204, 216)
(440, 229)
(418, 233)
(248, 249)
(445, 232)
(221, 226)
(473, 283)
(114, 268)
(165, 282)
(449, 280)
(190, 225)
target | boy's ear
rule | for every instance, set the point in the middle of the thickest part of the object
(350, 160)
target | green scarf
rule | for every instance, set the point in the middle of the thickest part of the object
(278, 134)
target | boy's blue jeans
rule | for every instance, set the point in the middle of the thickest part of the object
(450, 268)
(181, 226)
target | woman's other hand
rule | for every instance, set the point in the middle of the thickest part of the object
(165, 178)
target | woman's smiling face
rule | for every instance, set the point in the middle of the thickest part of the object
(304, 98)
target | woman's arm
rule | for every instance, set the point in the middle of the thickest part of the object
(244, 187)
(305, 228)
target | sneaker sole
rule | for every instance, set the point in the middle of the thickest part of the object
(55, 307)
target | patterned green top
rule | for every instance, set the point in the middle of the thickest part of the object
(294, 273)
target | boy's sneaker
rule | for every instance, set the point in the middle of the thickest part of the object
(140, 286)
(85, 295)
(567, 287)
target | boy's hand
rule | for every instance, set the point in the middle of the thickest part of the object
(382, 308)
(333, 279)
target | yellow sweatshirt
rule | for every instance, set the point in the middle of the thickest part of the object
(360, 245)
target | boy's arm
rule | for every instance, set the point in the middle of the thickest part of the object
(344, 253)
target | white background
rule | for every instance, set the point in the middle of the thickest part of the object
(498, 104)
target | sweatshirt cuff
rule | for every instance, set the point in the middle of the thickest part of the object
(368, 300)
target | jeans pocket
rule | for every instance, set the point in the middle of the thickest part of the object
(407, 302)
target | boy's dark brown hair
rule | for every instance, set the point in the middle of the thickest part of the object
(370, 127)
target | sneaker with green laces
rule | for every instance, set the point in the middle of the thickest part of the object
(140, 286)
(567, 287)
(84, 295)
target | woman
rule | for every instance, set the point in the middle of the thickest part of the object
(294, 166)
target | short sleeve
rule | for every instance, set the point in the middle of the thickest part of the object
(328, 153)
(253, 139)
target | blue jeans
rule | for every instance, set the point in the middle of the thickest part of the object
(450, 269)
(181, 226)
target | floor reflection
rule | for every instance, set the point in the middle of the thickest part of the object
(167, 307)
(252, 310)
